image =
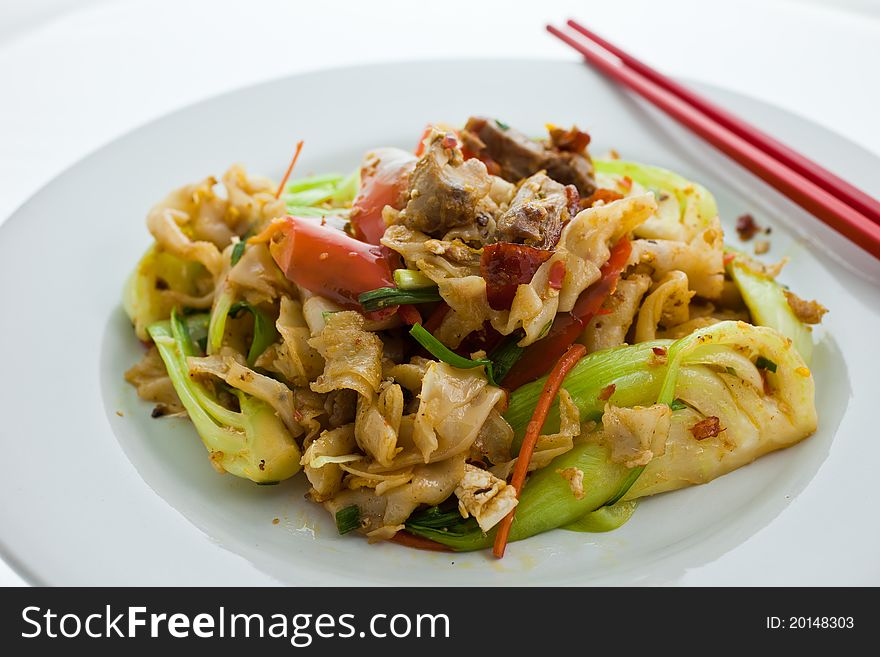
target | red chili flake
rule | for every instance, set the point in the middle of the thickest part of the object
(659, 357)
(728, 258)
(606, 195)
(746, 227)
(505, 266)
(557, 274)
(708, 428)
(449, 140)
(606, 392)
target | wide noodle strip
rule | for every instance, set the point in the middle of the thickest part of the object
(462, 347)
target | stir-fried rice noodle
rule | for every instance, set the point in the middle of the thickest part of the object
(508, 240)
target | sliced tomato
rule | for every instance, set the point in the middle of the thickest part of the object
(540, 356)
(325, 260)
(383, 182)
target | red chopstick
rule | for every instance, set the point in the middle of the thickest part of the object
(824, 204)
(870, 207)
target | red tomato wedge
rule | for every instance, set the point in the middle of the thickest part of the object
(325, 260)
(384, 179)
(541, 355)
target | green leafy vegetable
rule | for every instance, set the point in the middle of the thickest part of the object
(546, 502)
(442, 352)
(627, 483)
(237, 252)
(604, 519)
(252, 442)
(265, 332)
(768, 304)
(224, 306)
(765, 364)
(310, 211)
(217, 326)
(505, 355)
(385, 297)
(637, 383)
(677, 405)
(502, 125)
(321, 195)
(348, 519)
(144, 297)
(691, 196)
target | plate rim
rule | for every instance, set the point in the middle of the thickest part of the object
(21, 565)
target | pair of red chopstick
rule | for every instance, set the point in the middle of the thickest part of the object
(836, 202)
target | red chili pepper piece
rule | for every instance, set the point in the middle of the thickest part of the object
(557, 275)
(540, 356)
(505, 266)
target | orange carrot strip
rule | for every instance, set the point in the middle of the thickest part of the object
(563, 366)
(299, 147)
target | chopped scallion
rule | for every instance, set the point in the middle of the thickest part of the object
(348, 519)
(385, 297)
(237, 252)
(264, 330)
(505, 355)
(410, 279)
(441, 352)
(765, 364)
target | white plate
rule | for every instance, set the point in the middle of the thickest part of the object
(95, 492)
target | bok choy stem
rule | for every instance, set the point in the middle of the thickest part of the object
(546, 502)
(768, 305)
(252, 442)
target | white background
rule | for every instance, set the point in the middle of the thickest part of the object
(77, 74)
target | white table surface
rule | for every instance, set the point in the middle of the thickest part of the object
(76, 74)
